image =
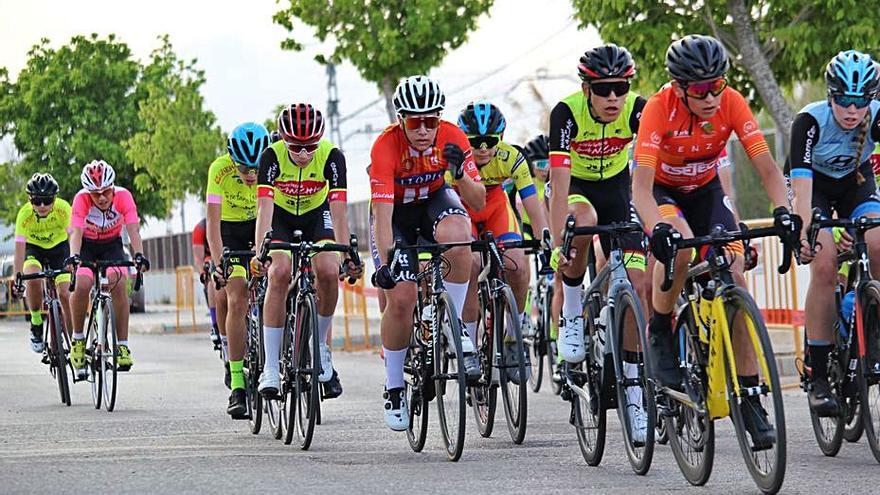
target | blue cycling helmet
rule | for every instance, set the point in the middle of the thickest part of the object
(480, 118)
(852, 73)
(246, 142)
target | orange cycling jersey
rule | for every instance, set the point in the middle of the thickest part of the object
(401, 174)
(683, 149)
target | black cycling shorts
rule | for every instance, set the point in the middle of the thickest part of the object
(237, 236)
(315, 225)
(111, 250)
(47, 258)
(845, 195)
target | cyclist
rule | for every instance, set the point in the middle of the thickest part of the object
(216, 299)
(41, 240)
(99, 213)
(408, 162)
(301, 186)
(231, 222)
(831, 145)
(537, 153)
(684, 129)
(498, 162)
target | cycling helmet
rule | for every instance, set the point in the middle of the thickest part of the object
(246, 142)
(852, 73)
(275, 136)
(97, 176)
(418, 94)
(538, 148)
(300, 123)
(42, 185)
(696, 58)
(606, 61)
(480, 118)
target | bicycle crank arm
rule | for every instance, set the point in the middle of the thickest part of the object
(682, 398)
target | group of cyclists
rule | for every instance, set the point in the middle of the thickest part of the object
(610, 155)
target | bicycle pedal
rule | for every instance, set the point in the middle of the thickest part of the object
(240, 417)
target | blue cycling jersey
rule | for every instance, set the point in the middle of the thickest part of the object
(826, 147)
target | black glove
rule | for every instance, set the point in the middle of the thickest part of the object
(17, 289)
(751, 258)
(383, 278)
(663, 241)
(74, 260)
(782, 219)
(454, 159)
(141, 261)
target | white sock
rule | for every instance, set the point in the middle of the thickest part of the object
(122, 342)
(272, 345)
(224, 346)
(633, 394)
(472, 332)
(79, 336)
(458, 293)
(324, 327)
(571, 306)
(394, 368)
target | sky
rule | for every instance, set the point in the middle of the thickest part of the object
(522, 56)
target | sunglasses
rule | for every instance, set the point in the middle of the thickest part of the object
(430, 122)
(297, 148)
(847, 100)
(42, 200)
(106, 192)
(604, 89)
(700, 91)
(486, 142)
(543, 164)
(246, 170)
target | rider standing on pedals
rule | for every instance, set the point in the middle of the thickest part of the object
(831, 145)
(408, 161)
(684, 128)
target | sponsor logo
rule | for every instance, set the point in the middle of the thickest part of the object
(655, 138)
(750, 127)
(600, 147)
(297, 188)
(689, 169)
(414, 180)
(840, 163)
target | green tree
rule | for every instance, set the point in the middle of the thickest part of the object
(386, 40)
(773, 44)
(179, 138)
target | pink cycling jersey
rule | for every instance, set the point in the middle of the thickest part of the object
(101, 226)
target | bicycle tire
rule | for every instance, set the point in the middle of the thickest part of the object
(449, 369)
(93, 360)
(829, 430)
(308, 364)
(514, 395)
(415, 381)
(110, 359)
(484, 397)
(58, 360)
(534, 342)
(770, 475)
(854, 428)
(691, 434)
(868, 369)
(590, 406)
(254, 367)
(549, 342)
(626, 302)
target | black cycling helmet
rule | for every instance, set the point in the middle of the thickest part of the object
(42, 185)
(537, 149)
(696, 58)
(606, 61)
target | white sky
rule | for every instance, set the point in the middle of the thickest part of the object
(238, 47)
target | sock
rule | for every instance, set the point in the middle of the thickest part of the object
(236, 373)
(819, 359)
(633, 394)
(122, 342)
(224, 346)
(394, 368)
(458, 293)
(472, 332)
(324, 327)
(213, 312)
(79, 336)
(522, 319)
(36, 317)
(272, 345)
(572, 293)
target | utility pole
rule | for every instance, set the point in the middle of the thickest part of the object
(333, 106)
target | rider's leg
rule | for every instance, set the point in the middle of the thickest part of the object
(819, 314)
(396, 328)
(63, 290)
(119, 291)
(221, 305)
(274, 313)
(571, 336)
(236, 293)
(456, 228)
(326, 267)
(34, 299)
(79, 303)
(471, 312)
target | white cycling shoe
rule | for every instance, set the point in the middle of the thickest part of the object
(571, 339)
(326, 364)
(396, 410)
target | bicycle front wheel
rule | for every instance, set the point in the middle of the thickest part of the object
(58, 360)
(254, 367)
(869, 365)
(417, 387)
(534, 342)
(484, 397)
(755, 392)
(449, 377)
(109, 354)
(829, 430)
(588, 410)
(514, 391)
(308, 365)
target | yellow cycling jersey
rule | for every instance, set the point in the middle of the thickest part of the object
(508, 163)
(539, 190)
(238, 200)
(46, 232)
(300, 190)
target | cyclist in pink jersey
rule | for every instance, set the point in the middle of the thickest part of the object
(98, 214)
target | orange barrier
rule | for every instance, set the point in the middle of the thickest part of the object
(354, 302)
(186, 294)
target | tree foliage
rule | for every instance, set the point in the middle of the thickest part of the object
(386, 40)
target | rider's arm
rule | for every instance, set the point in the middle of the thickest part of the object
(562, 127)
(78, 211)
(647, 157)
(804, 136)
(528, 194)
(128, 209)
(20, 239)
(470, 186)
(134, 236)
(643, 197)
(336, 175)
(381, 171)
(214, 209)
(269, 168)
(725, 175)
(198, 251)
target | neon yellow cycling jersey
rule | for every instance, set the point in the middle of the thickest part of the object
(46, 232)
(300, 190)
(238, 200)
(539, 190)
(508, 163)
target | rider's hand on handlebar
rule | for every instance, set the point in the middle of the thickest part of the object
(384, 278)
(141, 261)
(662, 245)
(350, 270)
(72, 261)
(806, 254)
(258, 268)
(17, 288)
(842, 239)
(218, 276)
(559, 261)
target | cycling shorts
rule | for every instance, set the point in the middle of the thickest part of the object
(238, 236)
(498, 217)
(52, 257)
(846, 196)
(92, 251)
(316, 225)
(612, 200)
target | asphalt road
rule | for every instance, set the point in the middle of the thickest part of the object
(170, 434)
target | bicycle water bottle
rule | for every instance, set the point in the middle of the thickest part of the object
(846, 312)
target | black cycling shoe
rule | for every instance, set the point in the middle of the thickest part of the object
(755, 420)
(237, 404)
(332, 388)
(661, 345)
(227, 376)
(37, 344)
(822, 400)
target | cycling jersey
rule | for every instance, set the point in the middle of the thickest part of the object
(507, 166)
(45, 232)
(400, 174)
(299, 190)
(819, 144)
(238, 200)
(593, 150)
(200, 237)
(103, 225)
(682, 149)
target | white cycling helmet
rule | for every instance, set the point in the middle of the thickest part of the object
(97, 175)
(418, 94)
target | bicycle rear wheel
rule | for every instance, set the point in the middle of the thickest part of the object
(635, 396)
(515, 395)
(766, 463)
(58, 360)
(308, 364)
(416, 381)
(449, 377)
(254, 367)
(691, 433)
(110, 354)
(484, 397)
(869, 365)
